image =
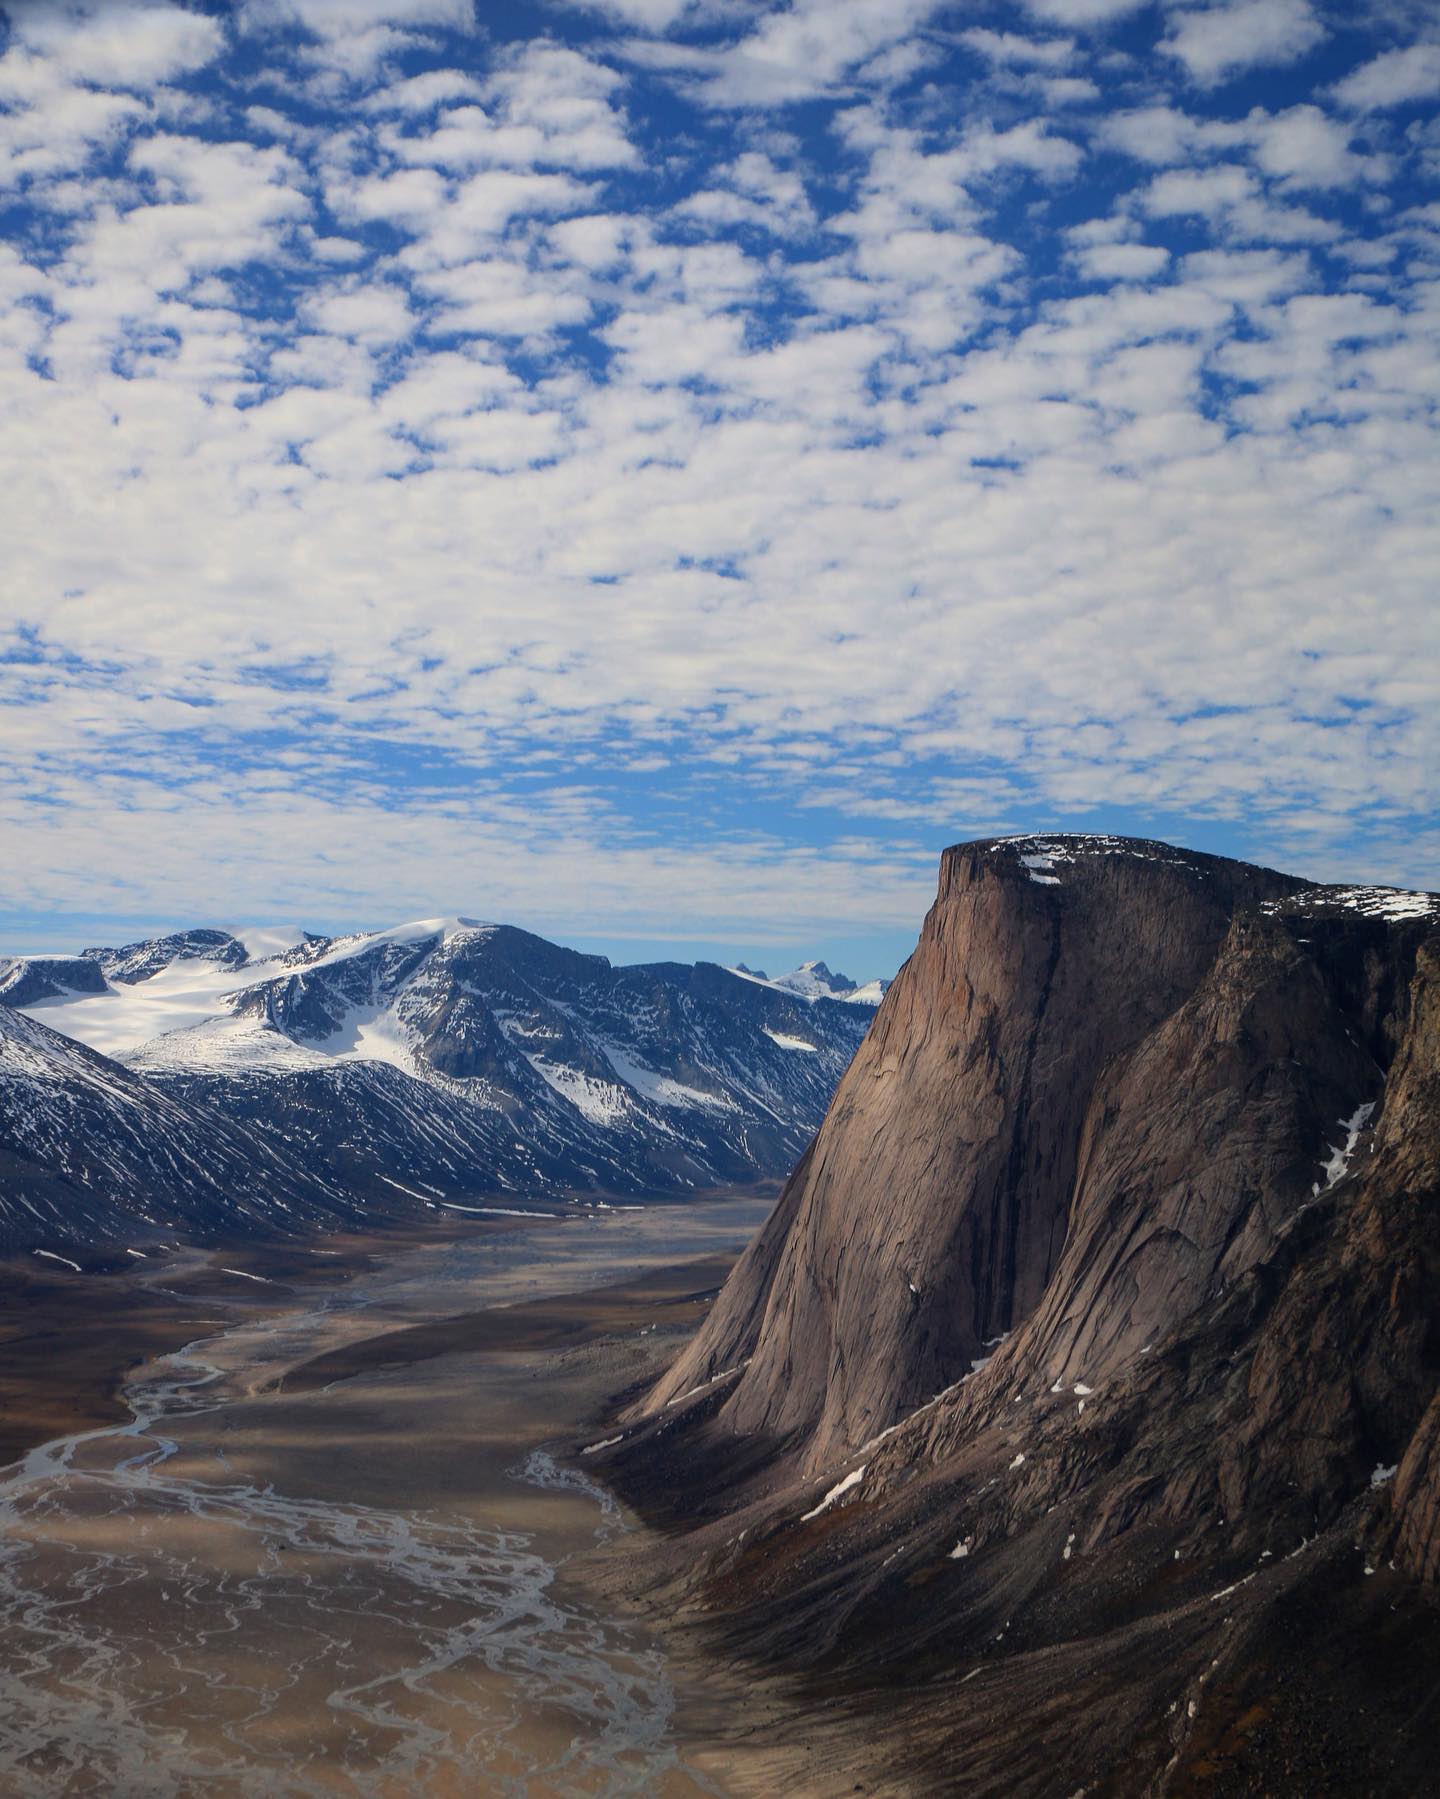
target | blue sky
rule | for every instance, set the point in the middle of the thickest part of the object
(657, 471)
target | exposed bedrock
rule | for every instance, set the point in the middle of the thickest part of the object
(1108, 1075)
(1077, 1414)
(930, 1214)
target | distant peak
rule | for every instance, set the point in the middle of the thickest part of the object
(814, 980)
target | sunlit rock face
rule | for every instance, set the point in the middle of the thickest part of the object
(1108, 1077)
(1078, 1404)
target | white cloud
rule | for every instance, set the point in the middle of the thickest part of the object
(367, 312)
(1163, 134)
(118, 45)
(56, 128)
(340, 18)
(1304, 147)
(495, 297)
(1070, 90)
(794, 53)
(1123, 262)
(1301, 147)
(420, 93)
(1010, 49)
(1396, 78)
(1248, 277)
(1206, 192)
(451, 222)
(349, 42)
(1220, 40)
(1081, 13)
(638, 15)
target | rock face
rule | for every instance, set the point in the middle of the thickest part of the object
(448, 1061)
(1080, 1396)
(929, 1216)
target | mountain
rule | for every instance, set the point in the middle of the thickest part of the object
(92, 1155)
(813, 980)
(448, 1060)
(1077, 1413)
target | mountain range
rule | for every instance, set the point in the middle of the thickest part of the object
(211, 1082)
(1074, 1421)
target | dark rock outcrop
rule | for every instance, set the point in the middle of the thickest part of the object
(25, 980)
(139, 961)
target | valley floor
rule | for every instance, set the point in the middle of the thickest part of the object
(328, 1553)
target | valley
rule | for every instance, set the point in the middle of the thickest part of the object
(265, 1585)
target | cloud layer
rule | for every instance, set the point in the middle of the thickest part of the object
(668, 459)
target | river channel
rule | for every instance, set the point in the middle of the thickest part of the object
(353, 1591)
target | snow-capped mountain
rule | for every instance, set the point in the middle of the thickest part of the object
(438, 1061)
(813, 980)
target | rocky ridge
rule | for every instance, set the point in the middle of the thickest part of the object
(91, 1154)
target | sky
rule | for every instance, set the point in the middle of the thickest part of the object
(657, 471)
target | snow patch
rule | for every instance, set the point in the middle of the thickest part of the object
(661, 1088)
(601, 1102)
(263, 943)
(400, 1187)
(493, 1211)
(222, 1046)
(370, 1034)
(838, 1491)
(1041, 868)
(1390, 903)
(400, 936)
(812, 981)
(50, 1256)
(1334, 1169)
(724, 1374)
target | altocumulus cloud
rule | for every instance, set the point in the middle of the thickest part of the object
(670, 465)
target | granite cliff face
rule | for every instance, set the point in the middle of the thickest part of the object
(1080, 1398)
(930, 1213)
